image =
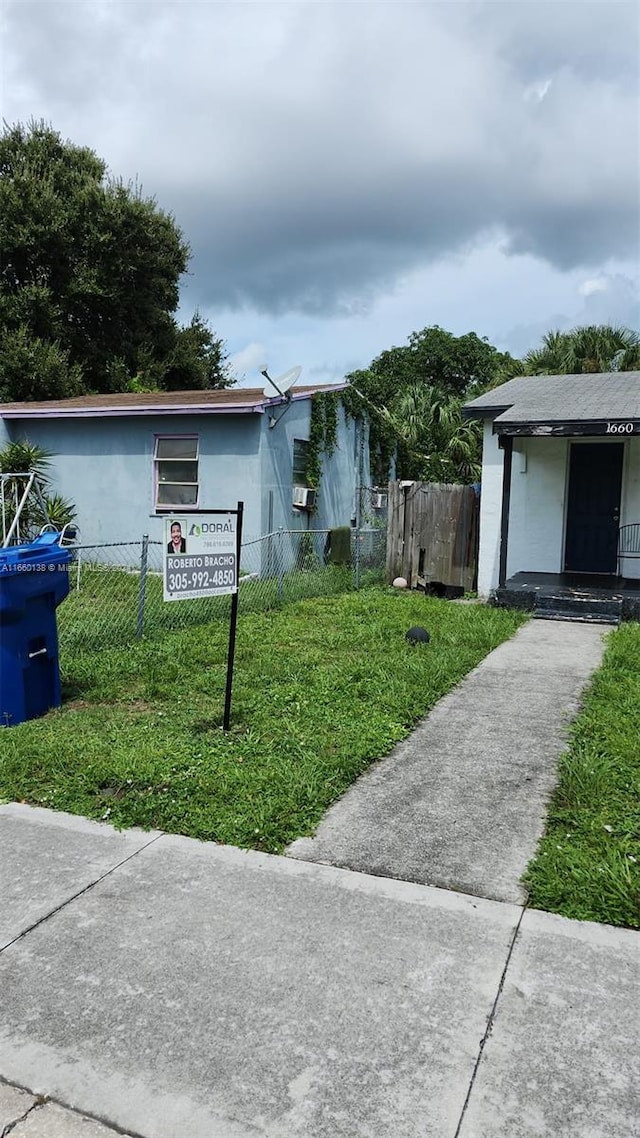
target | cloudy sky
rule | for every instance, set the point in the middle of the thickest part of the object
(347, 173)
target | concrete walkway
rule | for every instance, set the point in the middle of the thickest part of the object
(461, 803)
(176, 989)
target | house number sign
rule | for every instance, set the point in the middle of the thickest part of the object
(622, 428)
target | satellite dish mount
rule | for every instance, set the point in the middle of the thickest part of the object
(282, 385)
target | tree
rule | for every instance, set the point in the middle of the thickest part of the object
(591, 348)
(89, 278)
(439, 445)
(414, 395)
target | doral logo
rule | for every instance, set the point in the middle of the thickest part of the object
(210, 527)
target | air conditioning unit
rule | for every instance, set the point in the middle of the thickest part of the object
(379, 501)
(304, 497)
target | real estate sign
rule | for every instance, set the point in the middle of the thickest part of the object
(200, 556)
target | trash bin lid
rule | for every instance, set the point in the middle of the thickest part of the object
(44, 548)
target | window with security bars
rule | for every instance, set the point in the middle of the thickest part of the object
(300, 461)
(176, 471)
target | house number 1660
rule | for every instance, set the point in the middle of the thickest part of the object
(620, 428)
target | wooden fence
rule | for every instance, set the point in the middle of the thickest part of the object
(432, 536)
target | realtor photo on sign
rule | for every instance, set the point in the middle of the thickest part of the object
(176, 541)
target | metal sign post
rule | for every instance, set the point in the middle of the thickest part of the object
(232, 627)
(202, 559)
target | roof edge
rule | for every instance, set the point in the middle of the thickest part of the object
(136, 412)
(54, 409)
(471, 412)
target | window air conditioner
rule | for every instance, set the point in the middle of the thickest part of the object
(304, 498)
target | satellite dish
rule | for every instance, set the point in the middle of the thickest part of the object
(285, 381)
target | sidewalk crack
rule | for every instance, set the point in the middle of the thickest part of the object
(41, 1100)
(80, 893)
(490, 1022)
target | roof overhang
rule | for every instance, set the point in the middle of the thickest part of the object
(136, 412)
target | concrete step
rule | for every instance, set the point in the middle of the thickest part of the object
(577, 618)
(603, 610)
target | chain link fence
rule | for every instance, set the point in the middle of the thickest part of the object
(115, 594)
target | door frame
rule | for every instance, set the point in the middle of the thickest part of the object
(582, 441)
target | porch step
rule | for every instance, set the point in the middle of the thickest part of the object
(600, 610)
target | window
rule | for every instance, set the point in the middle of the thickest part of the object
(300, 461)
(176, 471)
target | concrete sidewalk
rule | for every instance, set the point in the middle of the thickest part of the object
(461, 803)
(176, 989)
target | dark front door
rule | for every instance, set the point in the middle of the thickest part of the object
(593, 508)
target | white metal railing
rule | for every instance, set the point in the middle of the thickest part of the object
(15, 492)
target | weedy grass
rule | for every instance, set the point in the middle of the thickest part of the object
(105, 610)
(322, 687)
(588, 862)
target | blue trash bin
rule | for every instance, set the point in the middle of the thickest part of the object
(34, 579)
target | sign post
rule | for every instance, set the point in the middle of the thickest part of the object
(202, 559)
(232, 627)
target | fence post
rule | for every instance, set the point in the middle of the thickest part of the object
(280, 563)
(143, 584)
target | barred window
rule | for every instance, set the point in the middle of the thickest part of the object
(175, 463)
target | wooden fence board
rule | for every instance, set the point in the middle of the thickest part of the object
(432, 534)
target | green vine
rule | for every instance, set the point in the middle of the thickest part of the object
(383, 436)
(323, 432)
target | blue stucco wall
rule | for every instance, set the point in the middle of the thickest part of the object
(105, 466)
(336, 492)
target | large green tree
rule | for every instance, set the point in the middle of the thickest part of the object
(89, 279)
(590, 348)
(414, 394)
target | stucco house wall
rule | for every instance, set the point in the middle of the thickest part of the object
(539, 483)
(105, 465)
(336, 492)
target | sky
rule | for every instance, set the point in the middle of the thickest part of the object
(348, 173)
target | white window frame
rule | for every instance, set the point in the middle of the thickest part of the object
(162, 507)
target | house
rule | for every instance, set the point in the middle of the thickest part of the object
(128, 460)
(560, 480)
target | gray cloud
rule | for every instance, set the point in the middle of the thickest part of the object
(315, 152)
(608, 299)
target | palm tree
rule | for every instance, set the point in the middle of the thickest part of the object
(591, 348)
(439, 445)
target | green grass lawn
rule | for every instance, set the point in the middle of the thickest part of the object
(104, 610)
(322, 688)
(588, 863)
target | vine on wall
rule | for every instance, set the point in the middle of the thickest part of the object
(323, 432)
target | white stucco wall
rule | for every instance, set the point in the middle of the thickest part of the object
(539, 481)
(490, 510)
(631, 499)
(536, 516)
